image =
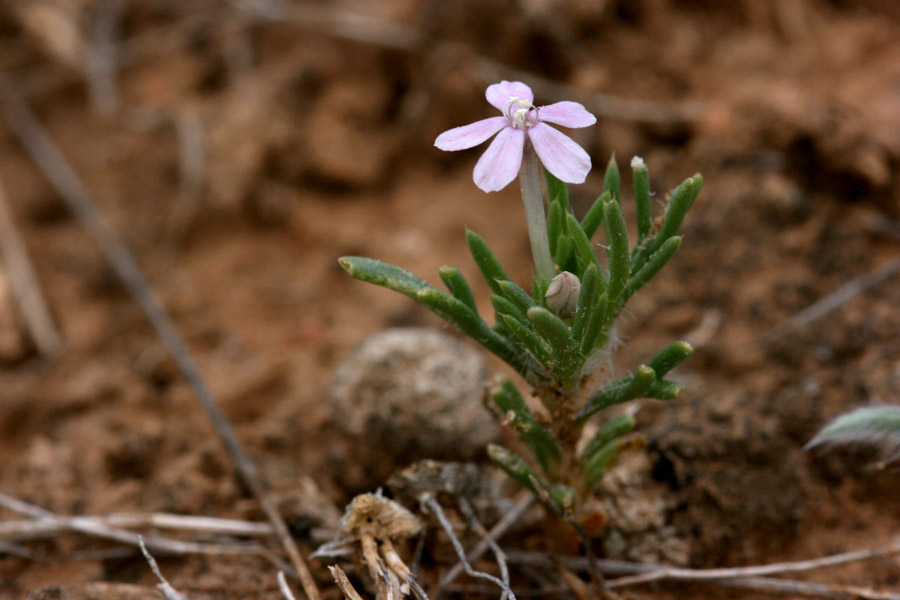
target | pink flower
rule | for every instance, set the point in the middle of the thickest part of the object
(521, 119)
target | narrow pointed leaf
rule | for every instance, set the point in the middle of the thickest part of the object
(507, 397)
(539, 290)
(512, 292)
(875, 426)
(670, 357)
(566, 358)
(619, 257)
(554, 225)
(557, 191)
(614, 428)
(594, 325)
(612, 180)
(487, 263)
(458, 286)
(583, 249)
(383, 274)
(653, 265)
(676, 209)
(642, 198)
(664, 390)
(564, 497)
(594, 216)
(604, 459)
(587, 298)
(515, 467)
(528, 338)
(506, 308)
(633, 386)
(467, 321)
(543, 445)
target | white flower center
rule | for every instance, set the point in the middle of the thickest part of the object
(521, 113)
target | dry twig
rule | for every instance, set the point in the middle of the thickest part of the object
(502, 526)
(434, 508)
(24, 283)
(766, 584)
(50, 159)
(23, 530)
(164, 587)
(93, 528)
(833, 301)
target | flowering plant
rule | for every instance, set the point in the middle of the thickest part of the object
(559, 335)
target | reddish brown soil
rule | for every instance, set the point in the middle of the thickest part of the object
(319, 147)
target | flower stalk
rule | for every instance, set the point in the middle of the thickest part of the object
(533, 198)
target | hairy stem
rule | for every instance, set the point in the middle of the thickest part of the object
(533, 198)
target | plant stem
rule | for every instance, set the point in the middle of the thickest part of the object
(533, 198)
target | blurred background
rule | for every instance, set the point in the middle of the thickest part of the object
(240, 147)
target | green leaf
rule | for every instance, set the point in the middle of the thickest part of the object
(676, 209)
(539, 290)
(619, 257)
(506, 308)
(594, 324)
(653, 266)
(664, 390)
(566, 358)
(557, 191)
(614, 428)
(512, 292)
(458, 286)
(670, 357)
(642, 198)
(564, 497)
(555, 217)
(594, 216)
(627, 388)
(612, 180)
(542, 443)
(515, 467)
(383, 274)
(583, 249)
(487, 263)
(466, 320)
(528, 338)
(507, 397)
(603, 459)
(587, 298)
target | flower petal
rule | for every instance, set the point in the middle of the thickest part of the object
(499, 94)
(567, 114)
(559, 154)
(501, 162)
(469, 136)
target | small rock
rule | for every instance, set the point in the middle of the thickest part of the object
(413, 393)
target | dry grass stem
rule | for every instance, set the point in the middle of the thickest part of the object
(24, 283)
(164, 587)
(432, 506)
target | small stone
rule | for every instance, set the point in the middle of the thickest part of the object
(413, 393)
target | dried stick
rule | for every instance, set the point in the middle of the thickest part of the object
(284, 587)
(164, 587)
(502, 526)
(833, 301)
(15, 550)
(92, 528)
(757, 571)
(18, 530)
(101, 54)
(433, 507)
(47, 155)
(469, 513)
(25, 286)
(767, 584)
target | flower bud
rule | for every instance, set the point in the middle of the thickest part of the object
(562, 294)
